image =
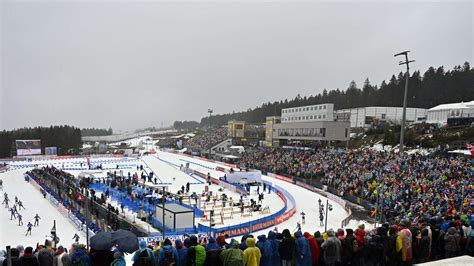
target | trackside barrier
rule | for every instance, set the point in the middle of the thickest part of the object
(71, 215)
(328, 195)
(259, 224)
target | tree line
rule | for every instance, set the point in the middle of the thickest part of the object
(96, 132)
(67, 139)
(436, 86)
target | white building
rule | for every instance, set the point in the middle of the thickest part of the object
(440, 114)
(310, 113)
(365, 117)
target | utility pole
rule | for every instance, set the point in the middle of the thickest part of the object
(87, 218)
(402, 130)
(164, 200)
(328, 208)
(210, 146)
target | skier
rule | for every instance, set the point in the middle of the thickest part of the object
(29, 226)
(6, 200)
(12, 213)
(1, 184)
(321, 218)
(298, 227)
(37, 218)
(16, 199)
(187, 187)
(303, 217)
(20, 205)
(20, 220)
(76, 238)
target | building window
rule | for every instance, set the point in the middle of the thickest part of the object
(312, 108)
(347, 130)
(324, 107)
(384, 116)
(322, 132)
(319, 116)
(324, 116)
(320, 107)
(311, 117)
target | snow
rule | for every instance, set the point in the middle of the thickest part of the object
(306, 200)
(166, 167)
(12, 234)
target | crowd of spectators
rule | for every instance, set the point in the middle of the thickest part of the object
(415, 187)
(203, 141)
(404, 243)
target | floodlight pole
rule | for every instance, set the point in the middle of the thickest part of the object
(402, 130)
(163, 210)
(326, 218)
(210, 146)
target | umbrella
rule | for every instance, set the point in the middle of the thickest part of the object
(102, 241)
(125, 241)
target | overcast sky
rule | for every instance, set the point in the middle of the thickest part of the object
(131, 65)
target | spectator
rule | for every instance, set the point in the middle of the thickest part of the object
(275, 244)
(28, 259)
(46, 254)
(15, 254)
(314, 247)
(118, 259)
(232, 256)
(302, 250)
(451, 243)
(252, 254)
(182, 252)
(331, 249)
(144, 255)
(286, 248)
(266, 250)
(168, 254)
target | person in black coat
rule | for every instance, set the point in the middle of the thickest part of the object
(28, 259)
(424, 246)
(286, 248)
(15, 253)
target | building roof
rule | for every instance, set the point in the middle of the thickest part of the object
(450, 106)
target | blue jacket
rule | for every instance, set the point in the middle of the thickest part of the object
(119, 262)
(80, 255)
(302, 249)
(161, 257)
(266, 250)
(212, 245)
(182, 253)
(142, 246)
(275, 248)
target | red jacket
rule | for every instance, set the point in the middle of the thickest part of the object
(313, 245)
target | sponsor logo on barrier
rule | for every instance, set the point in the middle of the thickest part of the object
(285, 216)
(263, 225)
(219, 168)
(308, 187)
(235, 232)
(281, 196)
(336, 199)
(280, 177)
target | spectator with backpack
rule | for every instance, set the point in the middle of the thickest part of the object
(79, 256)
(331, 249)
(232, 256)
(182, 251)
(118, 259)
(212, 252)
(168, 254)
(143, 256)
